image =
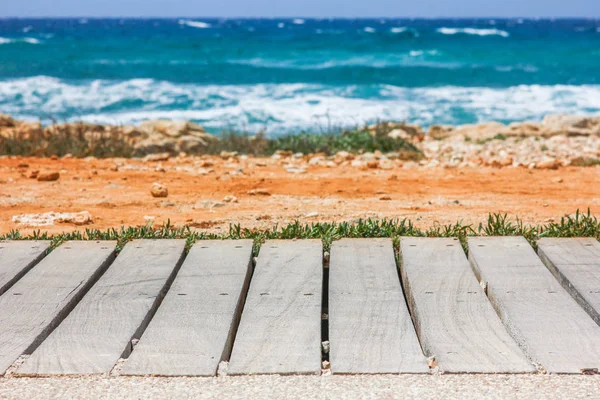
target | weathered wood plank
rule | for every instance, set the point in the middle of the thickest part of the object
(575, 262)
(39, 301)
(455, 321)
(194, 327)
(280, 329)
(370, 330)
(17, 257)
(538, 313)
(115, 310)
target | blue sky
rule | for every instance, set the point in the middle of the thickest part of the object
(301, 8)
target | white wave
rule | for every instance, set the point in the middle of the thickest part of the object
(194, 24)
(473, 31)
(281, 25)
(316, 62)
(286, 107)
(29, 40)
(27, 28)
(399, 29)
(368, 29)
(298, 21)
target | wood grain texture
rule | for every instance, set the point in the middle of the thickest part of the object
(194, 327)
(39, 301)
(455, 321)
(115, 310)
(370, 330)
(575, 263)
(17, 257)
(549, 326)
(280, 329)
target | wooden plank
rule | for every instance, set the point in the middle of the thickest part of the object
(17, 257)
(280, 329)
(575, 262)
(539, 314)
(455, 321)
(39, 301)
(370, 330)
(194, 327)
(114, 311)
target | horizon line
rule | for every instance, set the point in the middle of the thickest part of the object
(306, 18)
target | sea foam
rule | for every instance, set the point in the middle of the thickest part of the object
(194, 24)
(473, 31)
(30, 40)
(286, 107)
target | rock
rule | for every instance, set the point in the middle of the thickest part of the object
(294, 170)
(385, 197)
(226, 155)
(172, 128)
(344, 156)
(47, 176)
(283, 153)
(398, 134)
(572, 125)
(207, 204)
(159, 190)
(316, 160)
(386, 164)
(373, 164)
(230, 199)
(523, 129)
(312, 214)
(358, 163)
(440, 131)
(191, 144)
(32, 174)
(206, 163)
(6, 121)
(157, 157)
(548, 164)
(480, 132)
(49, 218)
(259, 192)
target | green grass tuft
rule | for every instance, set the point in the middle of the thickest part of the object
(576, 225)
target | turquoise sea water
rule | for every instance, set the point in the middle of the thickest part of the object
(283, 75)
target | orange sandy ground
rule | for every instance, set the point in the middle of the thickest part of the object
(426, 196)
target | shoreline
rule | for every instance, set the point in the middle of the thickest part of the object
(556, 141)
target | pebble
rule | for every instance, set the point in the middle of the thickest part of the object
(49, 218)
(385, 197)
(259, 192)
(230, 199)
(294, 170)
(157, 157)
(47, 176)
(159, 190)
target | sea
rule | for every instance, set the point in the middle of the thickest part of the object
(288, 75)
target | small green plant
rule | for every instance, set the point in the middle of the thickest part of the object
(578, 224)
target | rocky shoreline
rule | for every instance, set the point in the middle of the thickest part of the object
(556, 141)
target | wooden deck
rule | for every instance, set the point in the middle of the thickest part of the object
(156, 310)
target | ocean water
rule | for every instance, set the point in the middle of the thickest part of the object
(286, 75)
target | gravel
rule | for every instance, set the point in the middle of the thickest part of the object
(308, 387)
